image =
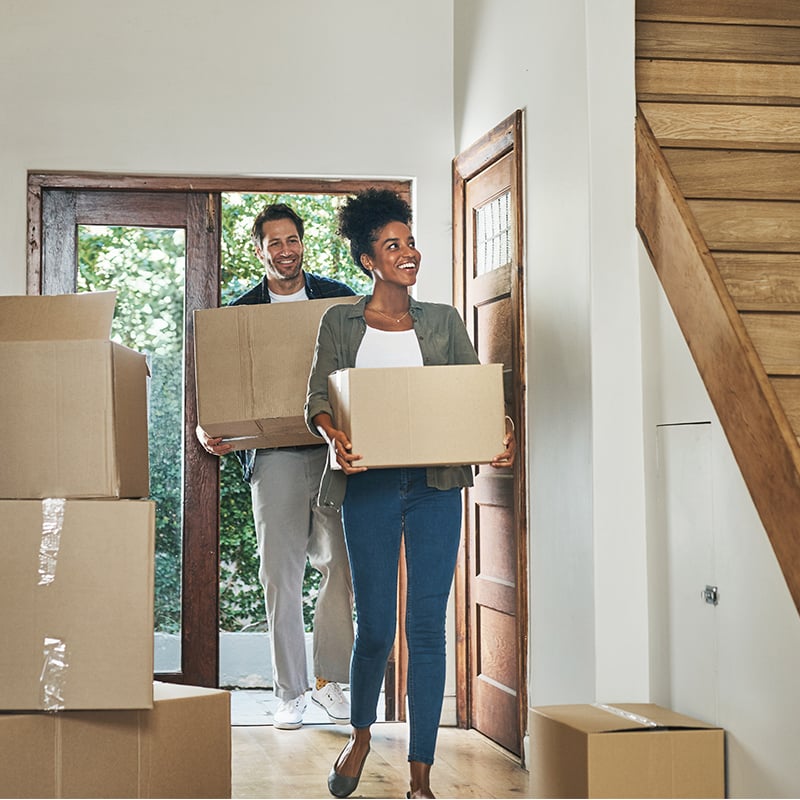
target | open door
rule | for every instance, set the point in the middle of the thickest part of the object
(186, 599)
(491, 578)
(184, 214)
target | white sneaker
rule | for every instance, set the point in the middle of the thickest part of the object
(289, 715)
(331, 698)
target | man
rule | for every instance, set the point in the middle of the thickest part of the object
(290, 526)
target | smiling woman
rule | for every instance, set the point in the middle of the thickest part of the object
(418, 506)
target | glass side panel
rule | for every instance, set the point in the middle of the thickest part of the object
(493, 234)
(146, 267)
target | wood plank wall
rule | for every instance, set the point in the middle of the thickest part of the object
(719, 83)
(718, 91)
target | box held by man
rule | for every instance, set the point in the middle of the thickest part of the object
(251, 366)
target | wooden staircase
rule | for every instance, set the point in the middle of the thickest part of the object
(718, 208)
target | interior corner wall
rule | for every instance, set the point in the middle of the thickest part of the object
(256, 87)
(620, 541)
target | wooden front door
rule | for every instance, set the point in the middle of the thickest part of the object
(491, 581)
(61, 212)
(59, 205)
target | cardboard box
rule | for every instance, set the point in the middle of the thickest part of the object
(74, 403)
(624, 750)
(76, 589)
(180, 748)
(251, 367)
(420, 416)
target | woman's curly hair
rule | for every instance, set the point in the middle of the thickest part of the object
(363, 215)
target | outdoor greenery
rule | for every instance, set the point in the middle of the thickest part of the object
(146, 268)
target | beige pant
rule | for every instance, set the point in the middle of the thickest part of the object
(290, 528)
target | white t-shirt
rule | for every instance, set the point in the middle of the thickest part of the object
(300, 294)
(389, 349)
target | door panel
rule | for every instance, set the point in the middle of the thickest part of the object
(491, 580)
(687, 566)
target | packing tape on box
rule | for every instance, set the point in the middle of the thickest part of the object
(628, 715)
(54, 653)
(52, 523)
(54, 674)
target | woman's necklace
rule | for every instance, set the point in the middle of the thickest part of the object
(391, 319)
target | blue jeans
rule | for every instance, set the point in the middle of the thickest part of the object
(380, 506)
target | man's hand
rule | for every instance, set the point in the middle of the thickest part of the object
(212, 445)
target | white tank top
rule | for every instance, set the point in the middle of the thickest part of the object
(389, 349)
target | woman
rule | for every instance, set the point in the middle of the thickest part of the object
(390, 329)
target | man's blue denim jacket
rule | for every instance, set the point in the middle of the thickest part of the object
(317, 288)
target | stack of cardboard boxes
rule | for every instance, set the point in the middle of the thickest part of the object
(80, 714)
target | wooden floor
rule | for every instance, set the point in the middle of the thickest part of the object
(267, 762)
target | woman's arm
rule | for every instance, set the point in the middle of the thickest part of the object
(318, 410)
(323, 363)
(461, 349)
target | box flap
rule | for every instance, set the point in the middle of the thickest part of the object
(63, 316)
(607, 718)
(662, 717)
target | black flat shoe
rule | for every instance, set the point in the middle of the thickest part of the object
(344, 785)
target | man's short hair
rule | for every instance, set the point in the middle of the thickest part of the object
(271, 212)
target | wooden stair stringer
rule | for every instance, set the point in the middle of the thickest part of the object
(755, 424)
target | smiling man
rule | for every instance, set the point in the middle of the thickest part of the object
(290, 526)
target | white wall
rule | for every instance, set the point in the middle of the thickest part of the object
(571, 72)
(618, 474)
(351, 88)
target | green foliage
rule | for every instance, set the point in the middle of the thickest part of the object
(146, 268)
(166, 407)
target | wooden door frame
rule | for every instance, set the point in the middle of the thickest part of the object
(504, 138)
(201, 494)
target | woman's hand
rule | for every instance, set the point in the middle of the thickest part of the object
(339, 443)
(506, 458)
(213, 445)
